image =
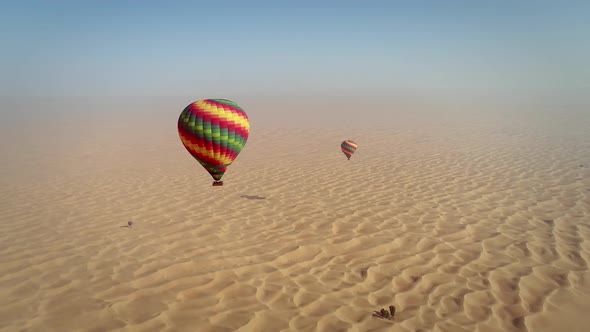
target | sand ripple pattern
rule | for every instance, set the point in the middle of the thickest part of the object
(463, 225)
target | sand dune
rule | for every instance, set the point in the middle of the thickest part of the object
(463, 223)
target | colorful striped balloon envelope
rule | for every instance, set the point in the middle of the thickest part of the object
(214, 131)
(348, 148)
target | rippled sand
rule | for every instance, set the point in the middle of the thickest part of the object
(463, 222)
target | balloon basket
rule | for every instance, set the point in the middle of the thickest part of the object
(217, 183)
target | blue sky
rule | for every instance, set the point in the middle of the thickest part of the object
(170, 48)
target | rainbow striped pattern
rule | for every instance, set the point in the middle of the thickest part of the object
(214, 131)
(348, 148)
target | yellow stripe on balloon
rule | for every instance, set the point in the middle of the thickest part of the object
(203, 151)
(223, 114)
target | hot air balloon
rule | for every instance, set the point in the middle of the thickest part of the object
(348, 148)
(214, 131)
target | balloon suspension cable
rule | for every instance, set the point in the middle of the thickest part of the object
(217, 183)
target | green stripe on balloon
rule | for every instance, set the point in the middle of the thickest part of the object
(227, 102)
(215, 133)
(223, 136)
(235, 141)
(234, 149)
(198, 129)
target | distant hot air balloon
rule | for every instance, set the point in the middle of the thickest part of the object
(214, 131)
(348, 148)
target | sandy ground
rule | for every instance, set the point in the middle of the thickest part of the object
(464, 222)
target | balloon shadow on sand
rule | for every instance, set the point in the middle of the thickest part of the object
(253, 197)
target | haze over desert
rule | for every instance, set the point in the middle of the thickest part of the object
(464, 221)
